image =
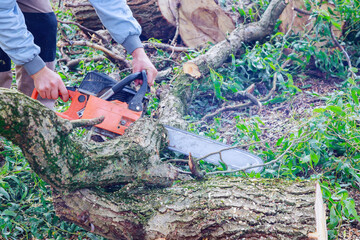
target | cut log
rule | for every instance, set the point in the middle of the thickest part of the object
(192, 69)
(199, 21)
(218, 208)
(152, 22)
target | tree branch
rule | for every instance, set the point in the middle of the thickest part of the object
(112, 56)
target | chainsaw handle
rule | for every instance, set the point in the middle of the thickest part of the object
(71, 91)
(132, 77)
(120, 85)
(35, 94)
(135, 103)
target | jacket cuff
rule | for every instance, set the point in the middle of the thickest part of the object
(34, 65)
(131, 43)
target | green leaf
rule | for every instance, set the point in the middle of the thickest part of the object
(242, 12)
(279, 141)
(4, 193)
(351, 81)
(331, 11)
(336, 24)
(354, 69)
(7, 212)
(336, 109)
(354, 95)
(305, 159)
(334, 219)
(314, 157)
(319, 110)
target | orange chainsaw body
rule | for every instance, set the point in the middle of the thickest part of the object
(117, 115)
(118, 112)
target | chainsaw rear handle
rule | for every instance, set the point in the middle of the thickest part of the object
(71, 91)
(135, 103)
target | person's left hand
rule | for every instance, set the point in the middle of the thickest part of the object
(142, 62)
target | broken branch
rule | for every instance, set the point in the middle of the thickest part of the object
(87, 122)
(167, 47)
(85, 29)
(112, 56)
(353, 75)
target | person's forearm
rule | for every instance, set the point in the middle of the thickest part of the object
(16, 40)
(118, 19)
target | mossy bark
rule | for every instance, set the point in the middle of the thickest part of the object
(67, 163)
(218, 208)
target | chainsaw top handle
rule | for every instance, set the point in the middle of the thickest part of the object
(135, 103)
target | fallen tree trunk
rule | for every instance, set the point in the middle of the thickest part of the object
(198, 22)
(218, 208)
(146, 12)
(83, 175)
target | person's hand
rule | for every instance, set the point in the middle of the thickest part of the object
(49, 84)
(142, 62)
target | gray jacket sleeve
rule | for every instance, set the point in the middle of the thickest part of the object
(16, 40)
(19, 44)
(118, 19)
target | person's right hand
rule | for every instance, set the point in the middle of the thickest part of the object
(49, 84)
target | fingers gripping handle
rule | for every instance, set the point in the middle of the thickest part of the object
(35, 93)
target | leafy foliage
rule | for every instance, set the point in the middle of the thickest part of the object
(26, 209)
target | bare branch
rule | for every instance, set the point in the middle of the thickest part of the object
(302, 11)
(167, 47)
(87, 122)
(177, 23)
(85, 29)
(353, 75)
(112, 56)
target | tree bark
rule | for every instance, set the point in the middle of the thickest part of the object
(68, 163)
(218, 208)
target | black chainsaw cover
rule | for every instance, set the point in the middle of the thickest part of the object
(96, 84)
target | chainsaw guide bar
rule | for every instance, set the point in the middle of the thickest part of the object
(234, 158)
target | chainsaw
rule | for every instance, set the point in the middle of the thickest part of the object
(99, 95)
